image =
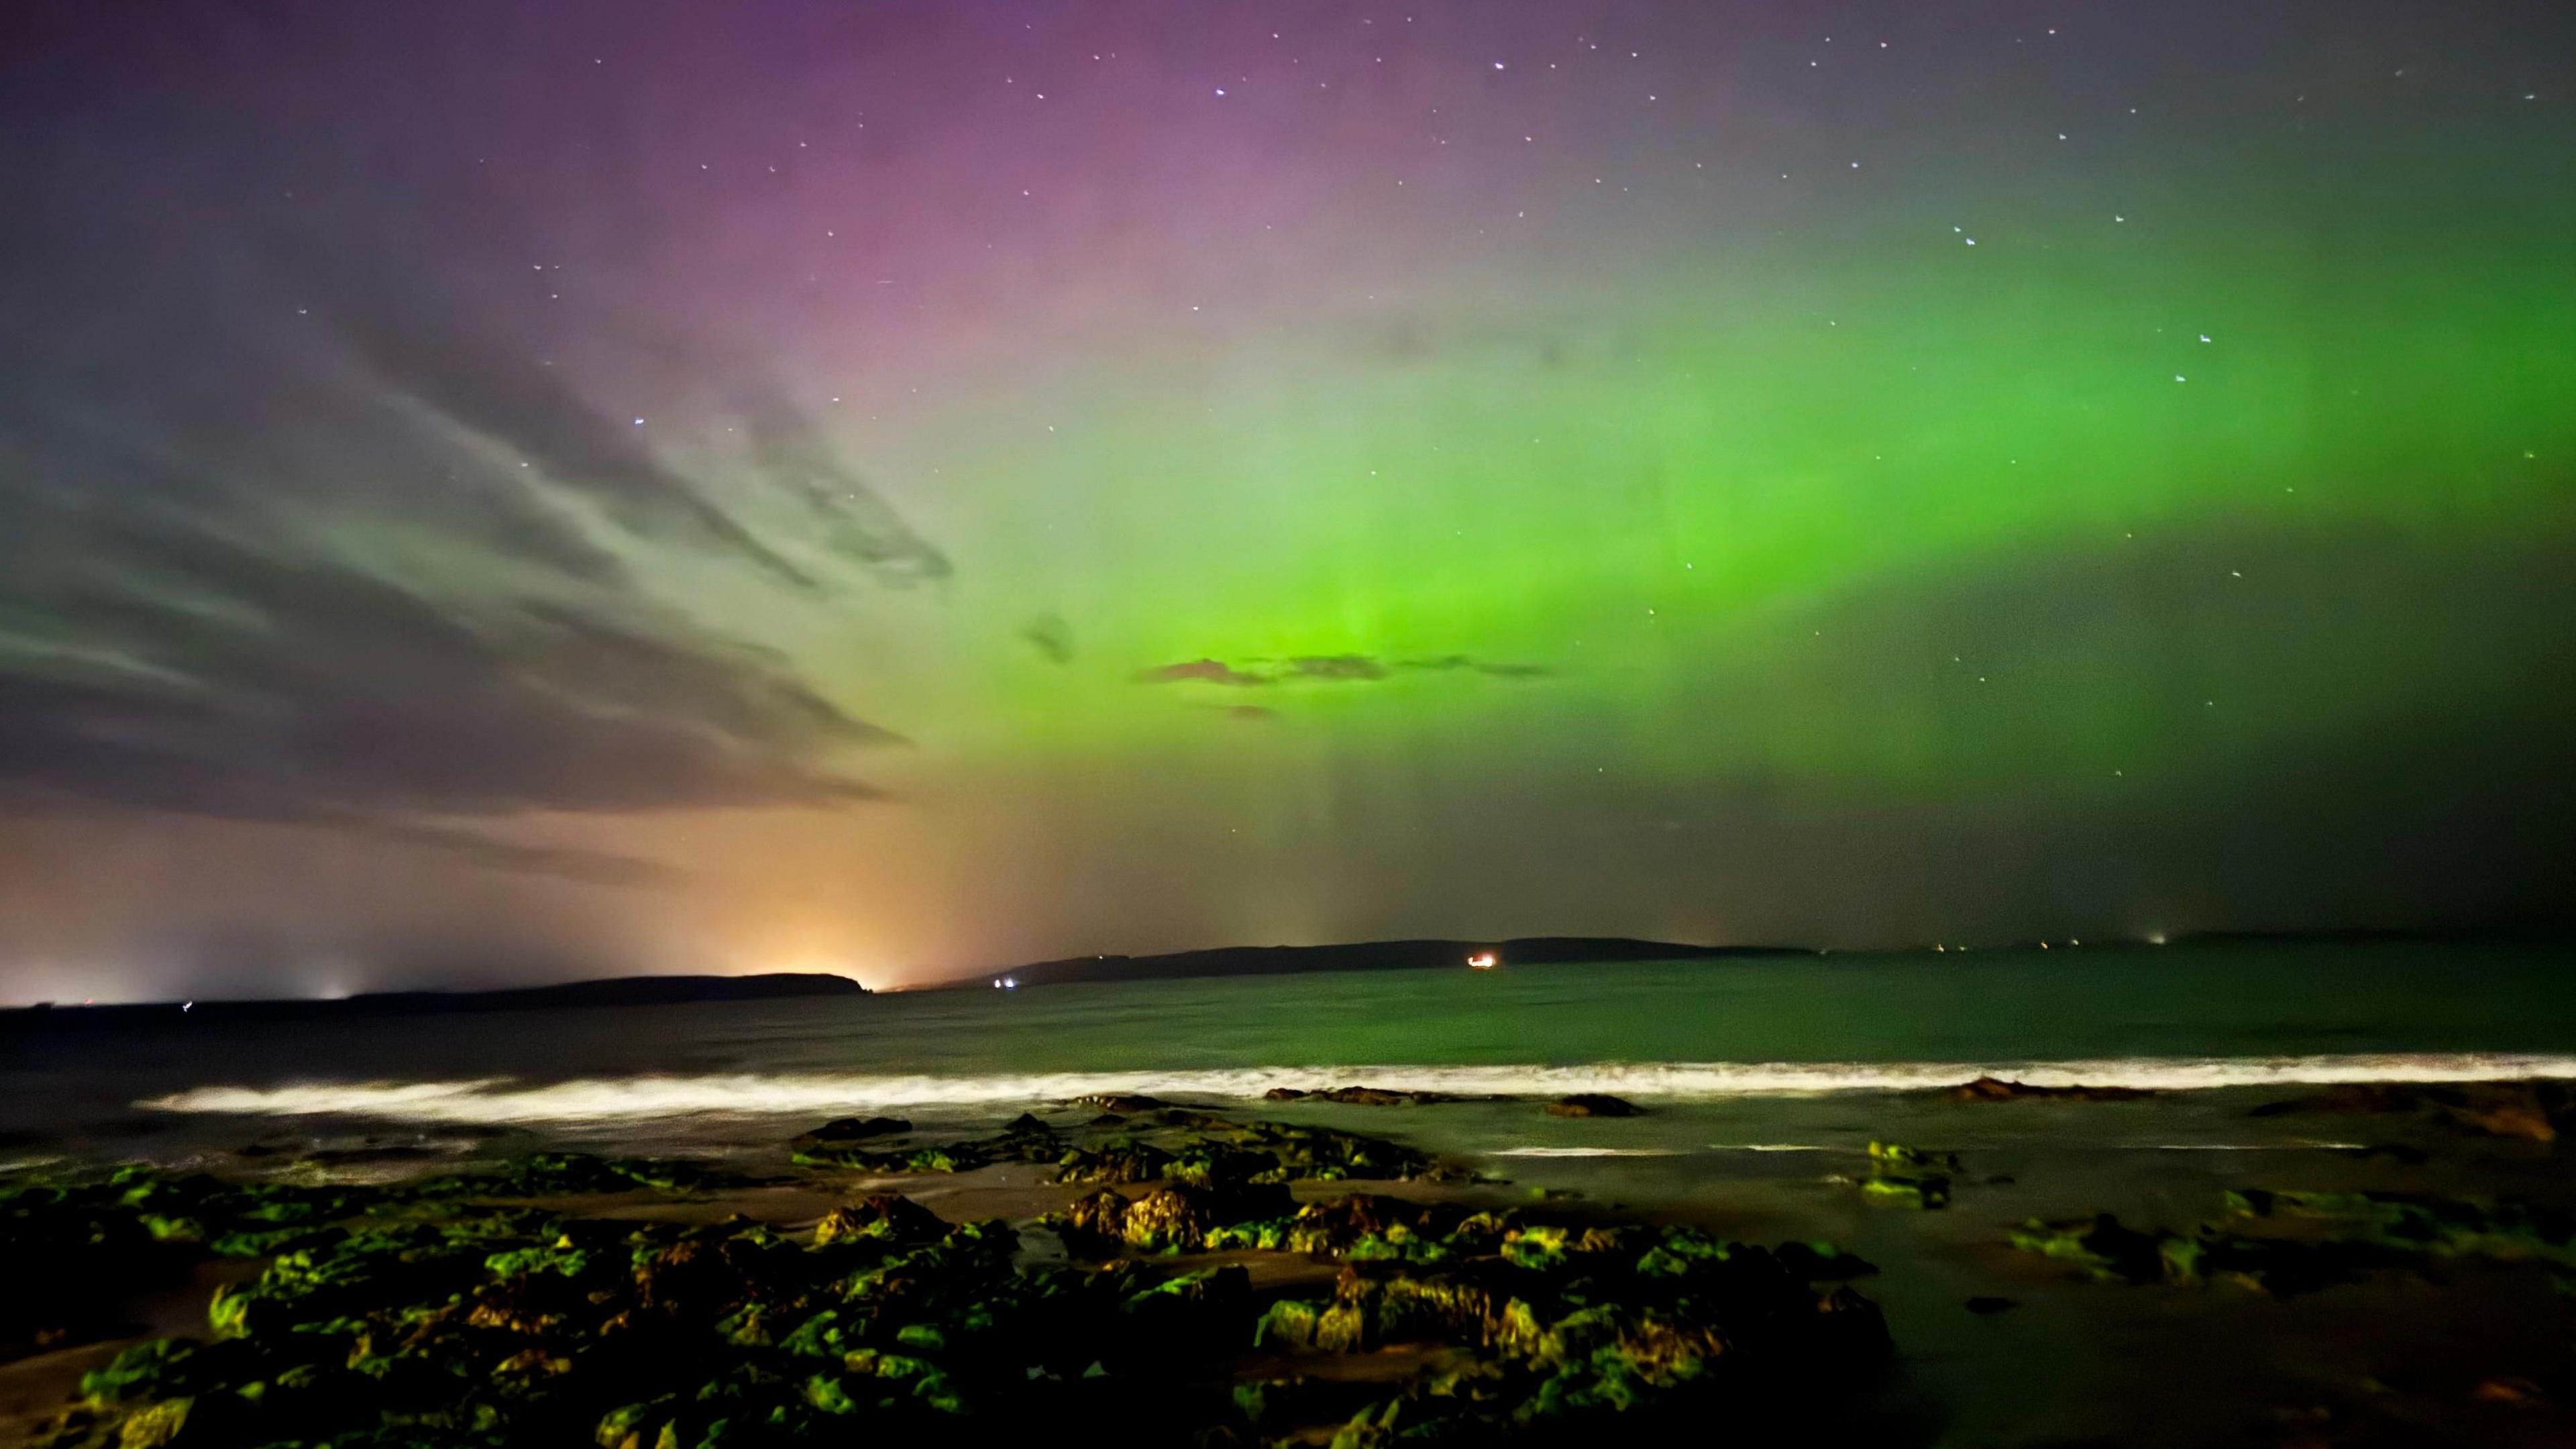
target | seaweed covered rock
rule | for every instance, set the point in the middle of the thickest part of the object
(2100, 1245)
(574, 1174)
(2503, 1228)
(1175, 1218)
(879, 1217)
(1920, 1191)
(1356, 1096)
(851, 1129)
(1593, 1104)
(1996, 1089)
(1896, 1156)
(651, 1333)
(1123, 1103)
(1555, 1340)
(944, 1157)
(75, 1250)
(2107, 1250)
(1908, 1177)
(441, 1317)
(2378, 1231)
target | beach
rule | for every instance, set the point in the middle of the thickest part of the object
(2272, 1135)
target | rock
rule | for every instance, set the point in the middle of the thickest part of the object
(945, 1157)
(2099, 1244)
(1360, 1096)
(1886, 1155)
(1028, 1124)
(1593, 1104)
(2510, 1391)
(1169, 1219)
(1123, 1103)
(1118, 1162)
(419, 1316)
(576, 1174)
(2281, 1266)
(853, 1129)
(2504, 1228)
(1993, 1089)
(1821, 1262)
(1929, 1190)
(880, 1217)
(1335, 1225)
(2536, 1111)
(2515, 1114)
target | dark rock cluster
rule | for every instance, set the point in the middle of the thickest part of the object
(478, 1311)
(2362, 1232)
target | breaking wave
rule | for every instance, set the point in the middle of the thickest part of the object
(502, 1099)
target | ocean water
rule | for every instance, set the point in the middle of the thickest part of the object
(1760, 1036)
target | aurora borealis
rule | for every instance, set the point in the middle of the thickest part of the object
(495, 491)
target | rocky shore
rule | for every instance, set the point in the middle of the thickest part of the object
(1218, 1283)
(1203, 1274)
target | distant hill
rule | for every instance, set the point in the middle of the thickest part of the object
(1357, 956)
(610, 991)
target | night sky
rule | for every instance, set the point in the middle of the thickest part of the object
(503, 491)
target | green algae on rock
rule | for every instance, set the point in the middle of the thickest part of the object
(1908, 1177)
(453, 1315)
(2429, 1223)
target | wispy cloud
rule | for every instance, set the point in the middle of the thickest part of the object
(1051, 636)
(1204, 671)
(1334, 669)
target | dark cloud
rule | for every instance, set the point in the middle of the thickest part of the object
(1337, 666)
(1051, 636)
(1453, 662)
(314, 520)
(1254, 712)
(418, 345)
(1205, 671)
(160, 658)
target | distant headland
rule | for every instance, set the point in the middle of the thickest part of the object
(608, 991)
(1356, 956)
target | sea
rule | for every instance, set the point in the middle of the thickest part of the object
(1762, 1080)
(1749, 1041)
